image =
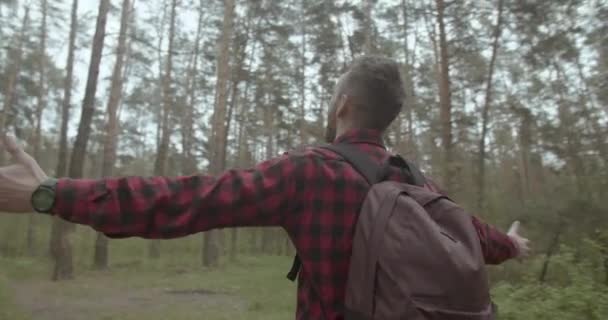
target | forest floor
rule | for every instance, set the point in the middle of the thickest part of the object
(251, 288)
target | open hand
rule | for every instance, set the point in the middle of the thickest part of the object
(19, 180)
(521, 243)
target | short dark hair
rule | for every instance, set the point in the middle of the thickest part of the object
(374, 83)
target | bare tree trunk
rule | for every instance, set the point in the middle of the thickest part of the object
(88, 104)
(242, 162)
(60, 247)
(100, 256)
(163, 148)
(188, 162)
(244, 159)
(41, 104)
(154, 245)
(410, 99)
(210, 254)
(445, 100)
(481, 166)
(76, 168)
(302, 84)
(13, 77)
(368, 45)
(525, 145)
(62, 163)
(233, 103)
(269, 124)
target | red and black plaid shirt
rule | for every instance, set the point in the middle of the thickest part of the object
(314, 195)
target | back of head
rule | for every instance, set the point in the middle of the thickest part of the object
(375, 89)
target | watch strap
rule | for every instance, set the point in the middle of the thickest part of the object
(49, 183)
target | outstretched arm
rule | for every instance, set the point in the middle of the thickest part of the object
(161, 207)
(156, 207)
(497, 246)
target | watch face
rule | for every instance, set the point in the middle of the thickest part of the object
(42, 200)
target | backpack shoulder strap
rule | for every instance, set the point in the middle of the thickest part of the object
(373, 172)
(359, 160)
(416, 177)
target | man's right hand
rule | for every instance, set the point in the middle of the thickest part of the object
(521, 243)
(18, 181)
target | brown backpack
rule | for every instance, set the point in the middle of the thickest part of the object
(415, 254)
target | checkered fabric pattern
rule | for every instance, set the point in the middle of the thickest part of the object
(312, 193)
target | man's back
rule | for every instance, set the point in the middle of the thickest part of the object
(323, 221)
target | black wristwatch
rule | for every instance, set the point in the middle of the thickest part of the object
(43, 198)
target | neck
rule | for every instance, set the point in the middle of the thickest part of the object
(344, 128)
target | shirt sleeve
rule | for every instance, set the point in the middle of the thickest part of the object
(162, 207)
(496, 246)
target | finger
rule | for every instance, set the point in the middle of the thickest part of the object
(10, 145)
(514, 229)
(22, 157)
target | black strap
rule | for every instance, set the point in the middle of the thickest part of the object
(372, 172)
(359, 160)
(415, 175)
(295, 268)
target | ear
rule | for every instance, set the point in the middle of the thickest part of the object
(342, 106)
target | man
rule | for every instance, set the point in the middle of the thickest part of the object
(313, 193)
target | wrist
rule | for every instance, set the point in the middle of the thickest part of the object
(44, 197)
(516, 250)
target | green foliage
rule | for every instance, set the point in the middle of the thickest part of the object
(575, 288)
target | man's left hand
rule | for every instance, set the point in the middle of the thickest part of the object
(19, 180)
(522, 244)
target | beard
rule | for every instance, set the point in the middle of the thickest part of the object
(330, 132)
(330, 127)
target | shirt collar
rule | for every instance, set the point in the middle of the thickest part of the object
(361, 136)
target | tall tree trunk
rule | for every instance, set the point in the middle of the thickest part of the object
(218, 148)
(242, 162)
(244, 156)
(410, 99)
(62, 162)
(481, 165)
(60, 247)
(88, 103)
(234, 103)
(79, 150)
(163, 148)
(302, 84)
(368, 45)
(445, 100)
(525, 146)
(269, 124)
(10, 91)
(41, 104)
(100, 256)
(188, 161)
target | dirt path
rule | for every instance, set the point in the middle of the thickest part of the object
(107, 298)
